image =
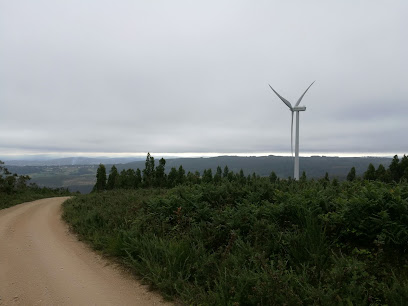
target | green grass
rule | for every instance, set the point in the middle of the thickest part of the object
(284, 243)
(28, 195)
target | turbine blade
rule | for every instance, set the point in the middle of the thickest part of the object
(282, 98)
(291, 136)
(301, 97)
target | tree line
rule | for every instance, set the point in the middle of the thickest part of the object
(154, 175)
(397, 171)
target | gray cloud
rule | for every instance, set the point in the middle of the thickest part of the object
(182, 76)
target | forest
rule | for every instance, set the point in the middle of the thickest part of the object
(229, 238)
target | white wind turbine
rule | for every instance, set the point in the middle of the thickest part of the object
(296, 109)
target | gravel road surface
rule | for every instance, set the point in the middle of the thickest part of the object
(42, 263)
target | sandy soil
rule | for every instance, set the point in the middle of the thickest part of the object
(42, 263)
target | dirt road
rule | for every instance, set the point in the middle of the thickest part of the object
(41, 263)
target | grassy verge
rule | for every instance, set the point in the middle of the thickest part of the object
(283, 243)
(29, 194)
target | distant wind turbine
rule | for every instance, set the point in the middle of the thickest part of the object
(296, 109)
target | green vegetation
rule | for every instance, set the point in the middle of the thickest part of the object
(81, 177)
(14, 189)
(231, 239)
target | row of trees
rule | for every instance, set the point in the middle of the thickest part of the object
(155, 176)
(397, 171)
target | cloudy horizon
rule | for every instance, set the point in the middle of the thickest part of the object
(185, 77)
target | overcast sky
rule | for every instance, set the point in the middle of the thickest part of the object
(95, 77)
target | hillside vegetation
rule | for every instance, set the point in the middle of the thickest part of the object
(239, 240)
(14, 189)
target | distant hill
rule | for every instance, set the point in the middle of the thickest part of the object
(315, 166)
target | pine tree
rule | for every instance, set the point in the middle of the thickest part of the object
(198, 177)
(351, 176)
(405, 176)
(113, 178)
(404, 166)
(181, 175)
(138, 178)
(226, 172)
(122, 181)
(394, 168)
(381, 173)
(172, 178)
(370, 173)
(148, 172)
(218, 175)
(207, 176)
(241, 177)
(231, 176)
(273, 177)
(160, 176)
(248, 179)
(130, 178)
(100, 178)
(303, 178)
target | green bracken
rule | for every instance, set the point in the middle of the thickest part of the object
(259, 242)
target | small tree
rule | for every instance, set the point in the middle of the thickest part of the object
(381, 173)
(405, 176)
(148, 172)
(7, 179)
(226, 172)
(172, 178)
(138, 178)
(273, 177)
(130, 178)
(100, 178)
(351, 176)
(241, 177)
(395, 170)
(22, 181)
(303, 178)
(217, 175)
(231, 176)
(122, 179)
(198, 177)
(113, 178)
(404, 167)
(181, 175)
(370, 173)
(160, 176)
(207, 176)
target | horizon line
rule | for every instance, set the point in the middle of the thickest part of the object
(57, 155)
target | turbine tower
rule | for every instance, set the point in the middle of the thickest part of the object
(296, 109)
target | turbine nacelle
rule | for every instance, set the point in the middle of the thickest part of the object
(299, 108)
